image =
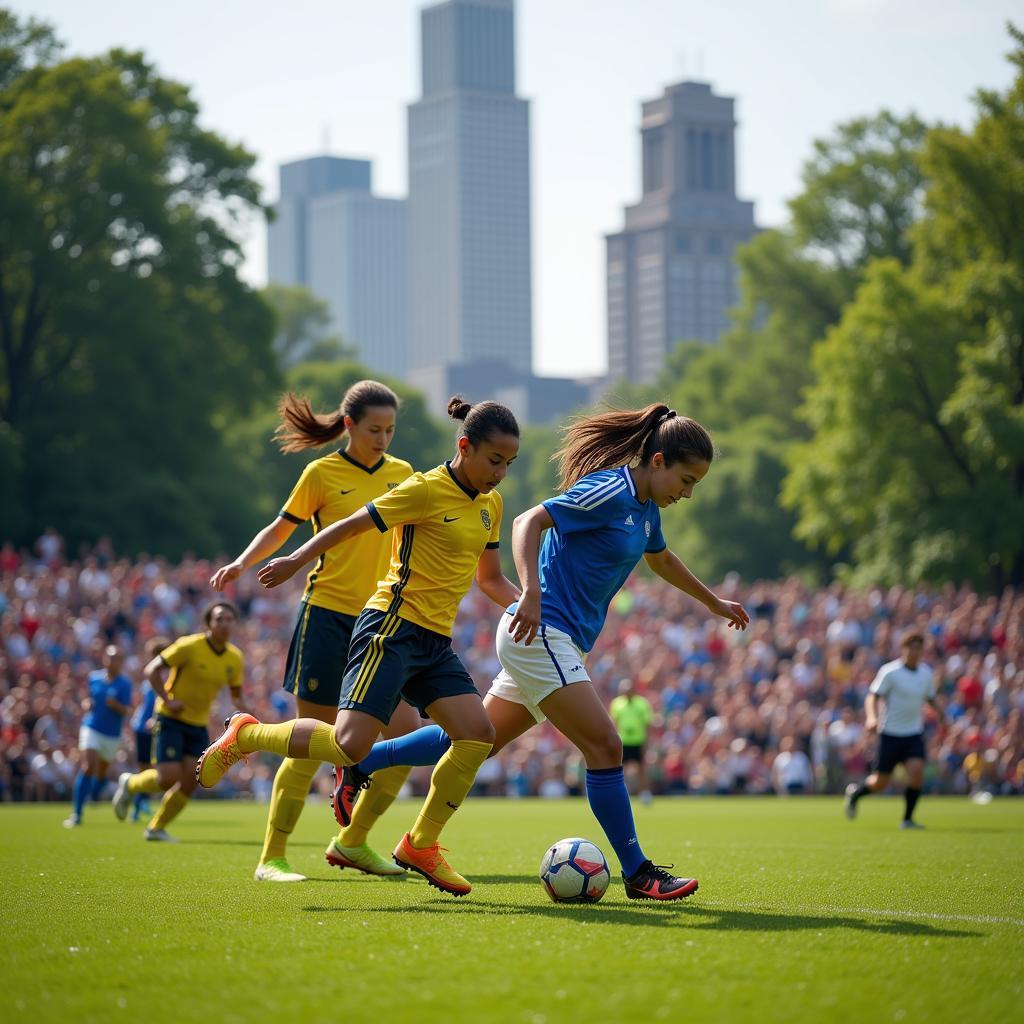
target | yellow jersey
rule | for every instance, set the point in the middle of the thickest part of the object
(198, 673)
(330, 489)
(445, 529)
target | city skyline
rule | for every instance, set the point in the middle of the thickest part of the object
(585, 69)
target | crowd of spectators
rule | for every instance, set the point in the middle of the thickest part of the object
(778, 708)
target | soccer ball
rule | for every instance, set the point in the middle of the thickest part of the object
(574, 871)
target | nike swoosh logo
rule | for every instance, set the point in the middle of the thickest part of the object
(349, 491)
(454, 807)
(452, 520)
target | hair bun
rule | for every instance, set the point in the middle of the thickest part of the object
(458, 408)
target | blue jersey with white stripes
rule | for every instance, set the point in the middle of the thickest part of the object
(601, 531)
(144, 712)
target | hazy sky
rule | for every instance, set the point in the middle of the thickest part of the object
(280, 77)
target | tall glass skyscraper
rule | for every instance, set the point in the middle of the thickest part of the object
(469, 192)
(671, 274)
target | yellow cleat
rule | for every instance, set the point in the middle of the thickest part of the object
(432, 866)
(223, 752)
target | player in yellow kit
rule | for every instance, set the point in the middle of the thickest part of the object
(200, 666)
(401, 646)
(330, 489)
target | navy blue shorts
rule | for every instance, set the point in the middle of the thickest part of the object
(173, 740)
(894, 750)
(318, 655)
(396, 659)
(143, 747)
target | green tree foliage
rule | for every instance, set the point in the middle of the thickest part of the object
(303, 327)
(127, 339)
(917, 458)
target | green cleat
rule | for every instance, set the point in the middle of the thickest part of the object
(362, 858)
(277, 870)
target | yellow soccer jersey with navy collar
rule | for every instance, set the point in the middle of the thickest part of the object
(445, 527)
(330, 489)
(198, 673)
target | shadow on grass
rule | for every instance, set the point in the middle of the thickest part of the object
(689, 916)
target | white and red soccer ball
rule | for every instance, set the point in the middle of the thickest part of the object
(574, 871)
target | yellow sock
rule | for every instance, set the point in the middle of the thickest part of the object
(322, 746)
(452, 780)
(272, 738)
(291, 787)
(372, 803)
(170, 807)
(147, 781)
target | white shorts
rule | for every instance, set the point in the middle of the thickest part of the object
(105, 746)
(529, 674)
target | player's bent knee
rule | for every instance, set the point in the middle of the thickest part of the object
(603, 751)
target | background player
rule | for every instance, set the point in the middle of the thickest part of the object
(401, 644)
(632, 715)
(903, 685)
(200, 666)
(142, 721)
(329, 490)
(109, 700)
(618, 469)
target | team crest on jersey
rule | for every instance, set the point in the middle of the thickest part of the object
(485, 517)
(392, 485)
(647, 528)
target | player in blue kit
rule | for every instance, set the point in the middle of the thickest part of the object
(141, 724)
(109, 700)
(619, 469)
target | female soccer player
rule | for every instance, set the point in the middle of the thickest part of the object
(618, 470)
(200, 665)
(329, 490)
(142, 722)
(401, 644)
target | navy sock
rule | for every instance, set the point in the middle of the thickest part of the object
(609, 800)
(910, 797)
(424, 746)
(80, 793)
(97, 788)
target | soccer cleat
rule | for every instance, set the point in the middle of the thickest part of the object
(849, 803)
(121, 798)
(223, 752)
(362, 858)
(158, 835)
(277, 870)
(653, 882)
(346, 792)
(73, 821)
(432, 866)
(911, 824)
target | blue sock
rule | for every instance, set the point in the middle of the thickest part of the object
(424, 746)
(97, 788)
(140, 805)
(80, 793)
(609, 800)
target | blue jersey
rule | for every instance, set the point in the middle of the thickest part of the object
(601, 531)
(144, 712)
(99, 716)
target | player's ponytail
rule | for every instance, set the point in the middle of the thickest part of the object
(623, 437)
(482, 421)
(302, 428)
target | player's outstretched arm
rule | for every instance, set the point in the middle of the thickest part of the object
(263, 545)
(278, 570)
(527, 529)
(671, 569)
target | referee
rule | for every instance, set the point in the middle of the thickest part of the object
(903, 685)
(632, 715)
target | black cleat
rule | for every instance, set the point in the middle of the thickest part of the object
(346, 792)
(850, 801)
(653, 882)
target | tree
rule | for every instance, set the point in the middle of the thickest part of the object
(303, 327)
(127, 339)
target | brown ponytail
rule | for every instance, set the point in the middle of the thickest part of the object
(302, 428)
(620, 437)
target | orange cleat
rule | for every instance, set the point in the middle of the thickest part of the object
(223, 752)
(432, 866)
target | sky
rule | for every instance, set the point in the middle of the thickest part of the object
(290, 80)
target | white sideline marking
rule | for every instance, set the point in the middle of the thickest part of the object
(870, 912)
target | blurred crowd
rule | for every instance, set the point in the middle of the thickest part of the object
(776, 709)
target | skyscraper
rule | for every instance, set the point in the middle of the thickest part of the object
(671, 273)
(350, 248)
(469, 193)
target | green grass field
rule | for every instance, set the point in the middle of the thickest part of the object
(801, 916)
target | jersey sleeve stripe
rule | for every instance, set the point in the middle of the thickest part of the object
(492, 544)
(602, 498)
(375, 516)
(291, 519)
(596, 491)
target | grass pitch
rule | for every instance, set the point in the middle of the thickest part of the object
(801, 916)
